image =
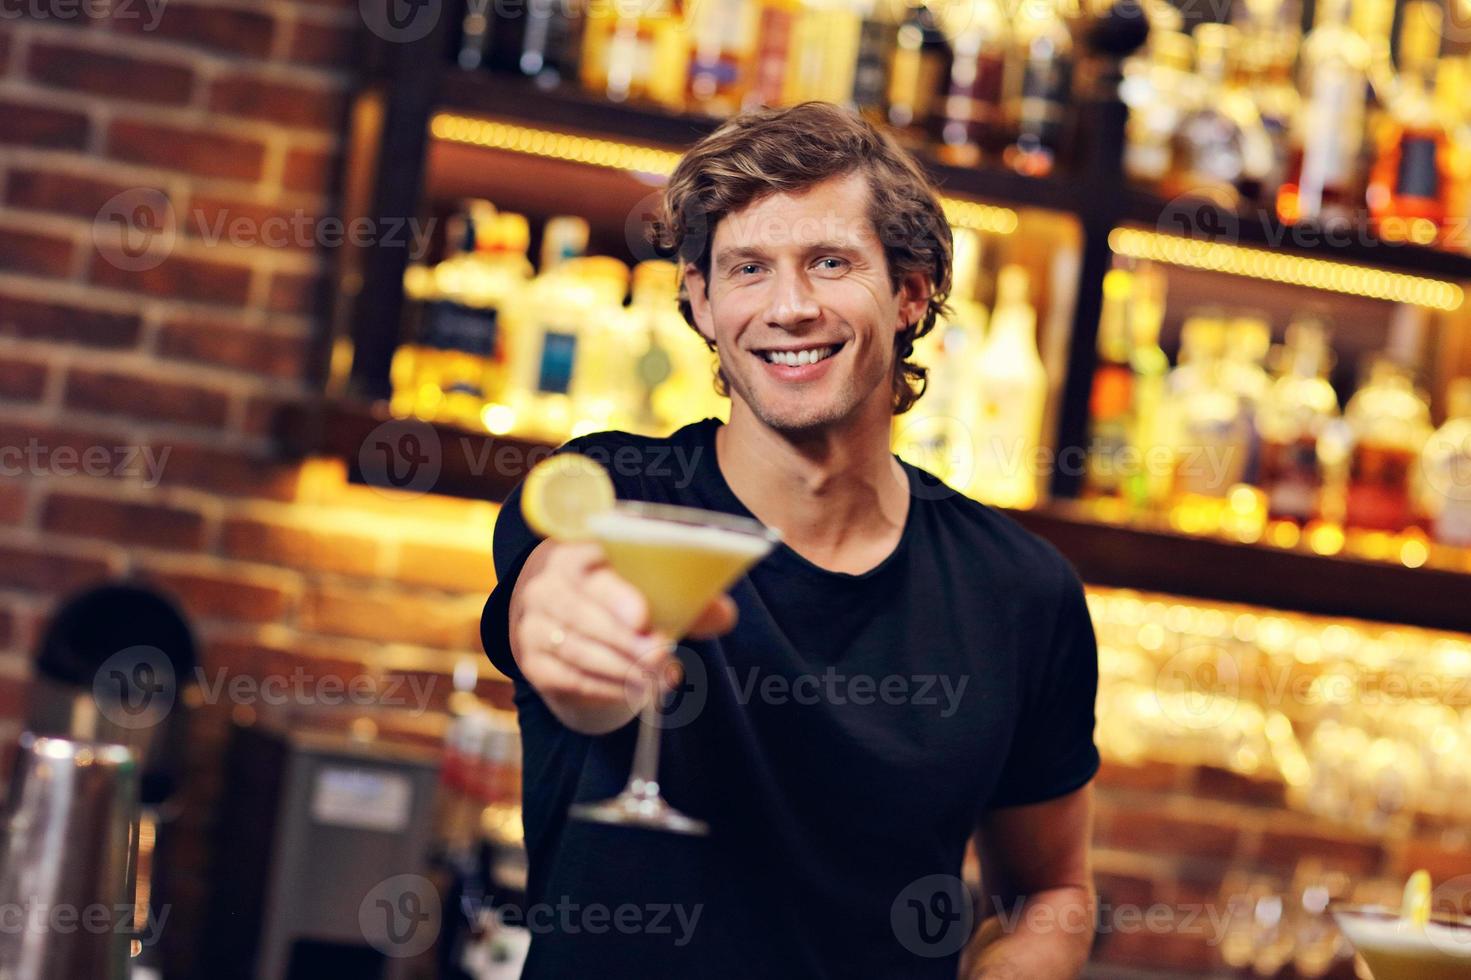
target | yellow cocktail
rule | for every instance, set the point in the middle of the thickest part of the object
(1396, 948)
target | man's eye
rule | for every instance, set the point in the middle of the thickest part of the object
(831, 262)
(749, 269)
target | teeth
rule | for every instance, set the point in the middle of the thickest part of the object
(798, 358)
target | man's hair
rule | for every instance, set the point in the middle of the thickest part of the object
(770, 151)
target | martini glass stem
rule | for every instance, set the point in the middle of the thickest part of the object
(643, 781)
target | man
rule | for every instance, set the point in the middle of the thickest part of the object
(908, 670)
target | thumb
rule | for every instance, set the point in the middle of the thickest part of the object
(719, 617)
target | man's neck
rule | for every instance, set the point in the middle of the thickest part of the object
(839, 497)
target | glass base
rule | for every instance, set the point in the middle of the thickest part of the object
(629, 809)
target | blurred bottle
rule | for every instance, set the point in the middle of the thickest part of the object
(971, 117)
(1111, 399)
(723, 45)
(1013, 395)
(1294, 414)
(1158, 88)
(563, 237)
(1446, 464)
(550, 41)
(1221, 151)
(636, 51)
(604, 384)
(1409, 184)
(1148, 488)
(1451, 81)
(823, 52)
(1248, 339)
(1043, 49)
(919, 72)
(1271, 36)
(776, 26)
(878, 36)
(1323, 178)
(939, 433)
(1210, 434)
(1389, 423)
(673, 366)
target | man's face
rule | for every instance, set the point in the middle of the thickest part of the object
(801, 308)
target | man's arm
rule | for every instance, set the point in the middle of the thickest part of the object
(1037, 898)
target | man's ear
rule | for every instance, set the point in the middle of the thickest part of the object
(697, 290)
(915, 291)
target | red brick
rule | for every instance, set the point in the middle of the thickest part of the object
(22, 379)
(33, 125)
(388, 617)
(262, 415)
(450, 568)
(44, 569)
(297, 547)
(328, 45)
(15, 698)
(219, 595)
(313, 171)
(86, 69)
(14, 495)
(238, 222)
(1129, 941)
(125, 521)
(176, 277)
(195, 151)
(1282, 848)
(7, 627)
(263, 352)
(226, 472)
(284, 103)
(35, 319)
(293, 292)
(35, 252)
(51, 190)
(5, 47)
(227, 29)
(1147, 777)
(130, 395)
(1223, 784)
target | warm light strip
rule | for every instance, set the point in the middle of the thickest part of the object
(642, 159)
(1295, 270)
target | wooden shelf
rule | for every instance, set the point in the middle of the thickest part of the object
(1212, 568)
(446, 459)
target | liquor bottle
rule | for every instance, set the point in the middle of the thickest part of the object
(1446, 464)
(1271, 35)
(1013, 396)
(918, 74)
(473, 49)
(549, 42)
(563, 237)
(1222, 151)
(823, 52)
(1147, 487)
(1451, 79)
(1209, 428)
(673, 369)
(1389, 423)
(1111, 398)
(723, 42)
(1293, 416)
(939, 433)
(1159, 89)
(603, 386)
(775, 27)
(1323, 178)
(1409, 183)
(1043, 49)
(878, 35)
(971, 117)
(637, 52)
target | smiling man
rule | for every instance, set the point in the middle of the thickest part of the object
(908, 671)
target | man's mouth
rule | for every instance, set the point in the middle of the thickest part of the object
(798, 356)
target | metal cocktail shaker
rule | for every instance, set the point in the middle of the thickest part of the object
(67, 862)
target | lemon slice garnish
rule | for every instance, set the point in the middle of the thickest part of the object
(562, 492)
(1416, 907)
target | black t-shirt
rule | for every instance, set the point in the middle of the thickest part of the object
(841, 742)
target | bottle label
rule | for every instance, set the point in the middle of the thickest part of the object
(558, 353)
(1291, 476)
(1379, 488)
(451, 326)
(1418, 175)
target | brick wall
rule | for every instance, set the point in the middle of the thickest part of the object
(138, 376)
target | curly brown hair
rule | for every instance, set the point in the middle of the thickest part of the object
(769, 151)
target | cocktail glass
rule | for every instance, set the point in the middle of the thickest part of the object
(680, 558)
(1396, 949)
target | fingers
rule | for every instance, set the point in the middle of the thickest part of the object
(615, 594)
(554, 678)
(718, 618)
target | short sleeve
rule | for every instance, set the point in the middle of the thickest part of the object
(1053, 751)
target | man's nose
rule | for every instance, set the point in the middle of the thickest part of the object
(793, 301)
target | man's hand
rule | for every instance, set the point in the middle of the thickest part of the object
(581, 635)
